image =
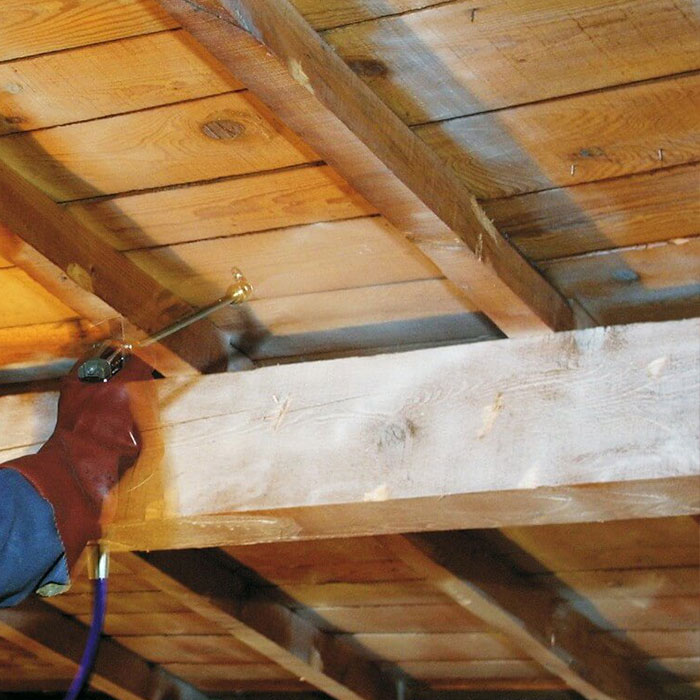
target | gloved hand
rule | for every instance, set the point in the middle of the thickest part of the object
(95, 441)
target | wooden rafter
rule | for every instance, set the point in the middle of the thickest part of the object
(317, 95)
(36, 627)
(87, 274)
(269, 628)
(597, 424)
(550, 631)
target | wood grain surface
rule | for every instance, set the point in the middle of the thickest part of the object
(458, 59)
(386, 424)
(98, 81)
(295, 260)
(234, 206)
(583, 138)
(645, 283)
(645, 208)
(162, 146)
(40, 26)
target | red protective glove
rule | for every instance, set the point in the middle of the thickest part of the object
(94, 442)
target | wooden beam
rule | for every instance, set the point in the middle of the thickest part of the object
(87, 274)
(200, 583)
(318, 96)
(532, 616)
(597, 424)
(58, 639)
(26, 346)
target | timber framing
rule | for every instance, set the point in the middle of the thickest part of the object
(269, 628)
(554, 634)
(317, 95)
(56, 638)
(597, 424)
(88, 275)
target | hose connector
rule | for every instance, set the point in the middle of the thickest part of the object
(98, 562)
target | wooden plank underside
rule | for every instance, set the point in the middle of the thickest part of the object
(405, 315)
(614, 546)
(358, 135)
(458, 59)
(177, 142)
(46, 241)
(38, 343)
(58, 640)
(655, 282)
(230, 207)
(322, 14)
(41, 26)
(644, 208)
(591, 425)
(559, 638)
(583, 138)
(25, 302)
(318, 258)
(98, 81)
(363, 605)
(292, 643)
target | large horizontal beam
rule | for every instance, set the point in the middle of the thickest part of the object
(289, 67)
(596, 424)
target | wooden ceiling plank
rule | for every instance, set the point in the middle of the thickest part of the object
(615, 213)
(574, 140)
(204, 139)
(324, 14)
(33, 344)
(444, 646)
(292, 643)
(628, 583)
(653, 282)
(178, 648)
(41, 26)
(390, 443)
(554, 635)
(615, 547)
(55, 638)
(454, 60)
(25, 302)
(75, 264)
(315, 258)
(98, 81)
(315, 93)
(293, 197)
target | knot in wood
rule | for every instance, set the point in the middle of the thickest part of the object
(368, 67)
(222, 129)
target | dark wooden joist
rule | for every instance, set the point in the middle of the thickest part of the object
(56, 638)
(199, 582)
(532, 616)
(87, 274)
(317, 95)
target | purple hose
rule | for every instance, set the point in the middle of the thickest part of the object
(99, 606)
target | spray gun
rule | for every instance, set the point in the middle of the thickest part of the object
(107, 359)
(109, 356)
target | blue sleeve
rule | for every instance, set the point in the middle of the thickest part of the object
(31, 552)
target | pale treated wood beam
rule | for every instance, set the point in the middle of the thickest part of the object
(532, 616)
(203, 585)
(597, 424)
(88, 275)
(317, 95)
(58, 639)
